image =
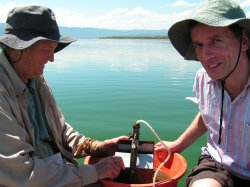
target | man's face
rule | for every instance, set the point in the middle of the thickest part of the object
(217, 49)
(34, 59)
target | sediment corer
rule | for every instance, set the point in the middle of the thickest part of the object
(144, 174)
(134, 150)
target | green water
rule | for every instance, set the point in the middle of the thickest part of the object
(104, 86)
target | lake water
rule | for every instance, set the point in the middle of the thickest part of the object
(104, 86)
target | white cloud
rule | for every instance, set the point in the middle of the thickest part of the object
(181, 3)
(245, 3)
(136, 18)
(133, 18)
(5, 8)
(139, 11)
(117, 11)
(247, 14)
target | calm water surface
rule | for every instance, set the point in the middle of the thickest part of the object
(104, 86)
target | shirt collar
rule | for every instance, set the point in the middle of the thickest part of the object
(17, 83)
(248, 83)
(211, 81)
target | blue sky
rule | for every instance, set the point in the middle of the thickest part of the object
(115, 14)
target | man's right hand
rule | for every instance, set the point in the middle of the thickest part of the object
(109, 167)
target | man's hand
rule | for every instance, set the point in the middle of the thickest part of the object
(173, 146)
(109, 167)
(109, 147)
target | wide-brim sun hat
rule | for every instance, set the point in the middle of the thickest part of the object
(217, 13)
(27, 25)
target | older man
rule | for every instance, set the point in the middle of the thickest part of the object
(37, 147)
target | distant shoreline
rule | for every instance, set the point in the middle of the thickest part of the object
(137, 37)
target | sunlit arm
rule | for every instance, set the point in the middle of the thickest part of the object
(192, 133)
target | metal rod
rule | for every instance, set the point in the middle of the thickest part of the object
(134, 151)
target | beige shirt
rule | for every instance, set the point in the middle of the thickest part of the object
(18, 165)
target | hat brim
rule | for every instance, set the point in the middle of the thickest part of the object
(179, 34)
(14, 42)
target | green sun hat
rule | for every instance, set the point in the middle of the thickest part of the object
(217, 13)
